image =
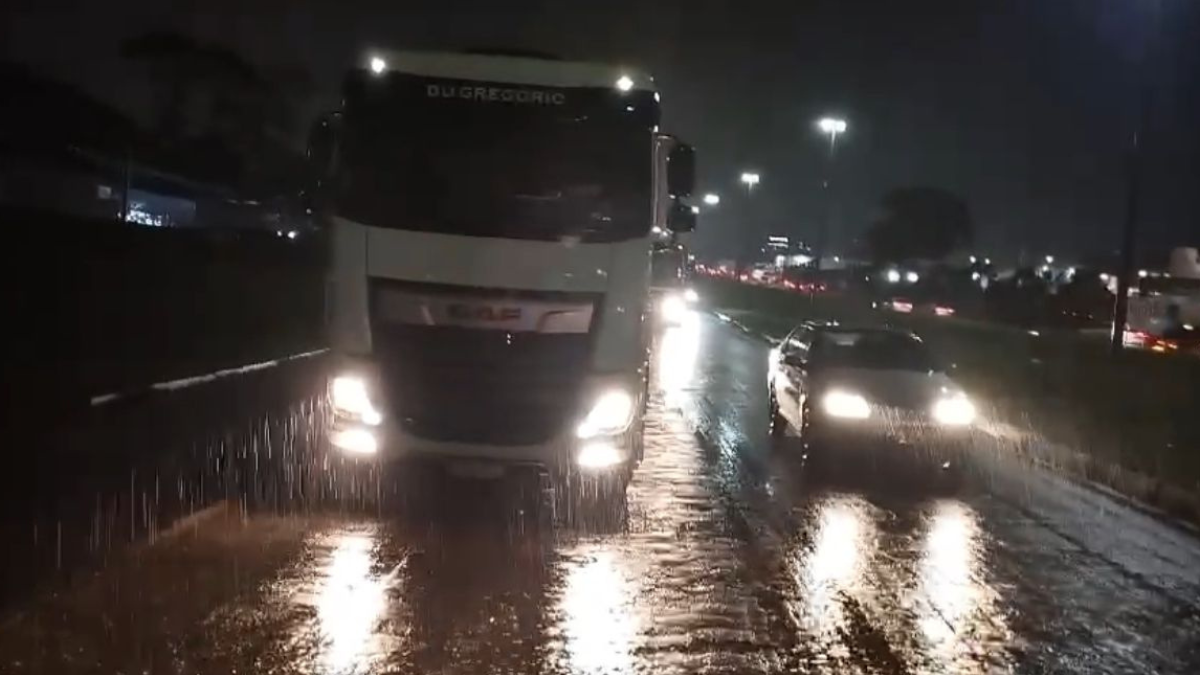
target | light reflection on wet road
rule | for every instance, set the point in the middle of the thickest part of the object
(734, 557)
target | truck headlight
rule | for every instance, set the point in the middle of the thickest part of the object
(610, 414)
(357, 441)
(954, 411)
(350, 396)
(598, 455)
(846, 404)
(673, 308)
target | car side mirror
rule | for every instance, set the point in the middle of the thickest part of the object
(681, 218)
(681, 170)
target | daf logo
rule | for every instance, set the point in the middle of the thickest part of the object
(483, 313)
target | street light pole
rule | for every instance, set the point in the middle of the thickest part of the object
(833, 127)
(1133, 186)
(750, 179)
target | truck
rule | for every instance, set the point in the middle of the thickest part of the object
(490, 218)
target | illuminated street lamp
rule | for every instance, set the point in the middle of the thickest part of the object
(712, 199)
(832, 126)
(750, 179)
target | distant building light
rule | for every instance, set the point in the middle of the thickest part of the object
(974, 260)
(1143, 274)
(975, 276)
(987, 261)
(656, 230)
(1049, 260)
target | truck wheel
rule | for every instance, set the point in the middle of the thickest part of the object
(594, 503)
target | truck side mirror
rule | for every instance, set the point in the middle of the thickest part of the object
(681, 171)
(681, 218)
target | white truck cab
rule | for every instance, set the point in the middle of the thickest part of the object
(490, 222)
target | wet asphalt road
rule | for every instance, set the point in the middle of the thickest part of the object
(734, 556)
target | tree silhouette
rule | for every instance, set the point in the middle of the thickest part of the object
(224, 118)
(180, 67)
(919, 223)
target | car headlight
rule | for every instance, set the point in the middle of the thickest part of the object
(673, 308)
(954, 411)
(349, 396)
(846, 404)
(691, 295)
(610, 414)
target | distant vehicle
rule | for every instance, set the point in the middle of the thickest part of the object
(763, 274)
(671, 292)
(905, 305)
(1164, 315)
(839, 384)
(491, 221)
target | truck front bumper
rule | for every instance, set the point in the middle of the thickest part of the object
(387, 443)
(386, 440)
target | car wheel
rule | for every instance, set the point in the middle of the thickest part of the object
(809, 436)
(778, 424)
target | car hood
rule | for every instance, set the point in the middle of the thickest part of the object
(906, 389)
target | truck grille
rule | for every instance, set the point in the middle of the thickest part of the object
(471, 385)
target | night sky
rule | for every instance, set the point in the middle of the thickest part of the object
(1023, 107)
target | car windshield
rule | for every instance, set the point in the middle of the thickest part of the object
(880, 350)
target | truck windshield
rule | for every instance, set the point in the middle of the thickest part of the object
(494, 170)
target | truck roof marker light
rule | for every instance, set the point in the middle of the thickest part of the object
(624, 83)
